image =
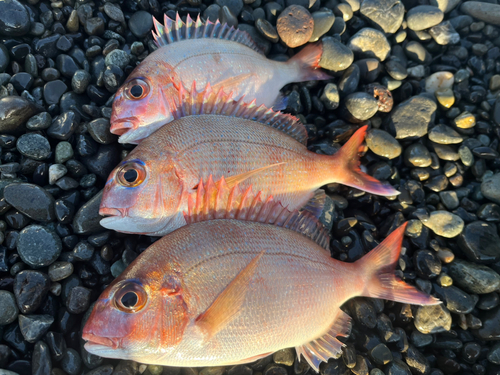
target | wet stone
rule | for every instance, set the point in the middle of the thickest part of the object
(383, 144)
(284, 357)
(71, 362)
(60, 270)
(38, 246)
(411, 118)
(64, 125)
(370, 43)
(14, 18)
(56, 171)
(33, 146)
(480, 242)
(432, 319)
(385, 14)
(295, 26)
(8, 308)
(80, 80)
(78, 300)
(87, 218)
(330, 96)
(444, 223)
(33, 327)
(490, 329)
(381, 354)
(30, 289)
(490, 188)
(457, 301)
(444, 34)
(360, 106)
(445, 135)
(483, 11)
(423, 17)
(336, 56)
(99, 130)
(39, 122)
(117, 57)
(427, 263)
(140, 23)
(41, 360)
(473, 278)
(31, 200)
(323, 22)
(95, 26)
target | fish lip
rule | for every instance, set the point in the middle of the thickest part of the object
(121, 126)
(108, 342)
(129, 136)
(108, 211)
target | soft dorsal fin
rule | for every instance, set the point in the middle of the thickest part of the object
(326, 346)
(211, 102)
(175, 31)
(217, 201)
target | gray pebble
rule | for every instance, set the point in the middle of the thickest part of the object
(38, 246)
(34, 146)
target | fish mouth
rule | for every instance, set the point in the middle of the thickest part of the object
(98, 341)
(108, 211)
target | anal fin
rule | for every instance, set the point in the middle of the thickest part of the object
(326, 346)
(316, 204)
(228, 304)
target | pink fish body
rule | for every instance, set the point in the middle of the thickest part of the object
(165, 170)
(202, 53)
(226, 292)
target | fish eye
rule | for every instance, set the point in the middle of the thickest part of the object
(131, 297)
(131, 174)
(136, 89)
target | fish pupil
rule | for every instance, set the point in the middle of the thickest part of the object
(136, 91)
(130, 175)
(129, 299)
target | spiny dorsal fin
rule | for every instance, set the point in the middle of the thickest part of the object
(211, 102)
(215, 200)
(175, 31)
(326, 346)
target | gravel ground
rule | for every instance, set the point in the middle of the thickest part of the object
(425, 75)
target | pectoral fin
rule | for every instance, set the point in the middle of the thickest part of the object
(235, 81)
(239, 178)
(228, 304)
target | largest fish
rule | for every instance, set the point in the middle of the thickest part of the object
(204, 53)
(226, 292)
(254, 147)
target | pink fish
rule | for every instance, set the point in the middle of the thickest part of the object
(240, 143)
(227, 292)
(204, 53)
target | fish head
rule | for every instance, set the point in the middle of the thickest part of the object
(139, 317)
(143, 103)
(142, 195)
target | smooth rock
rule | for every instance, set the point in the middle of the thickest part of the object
(31, 200)
(423, 17)
(439, 80)
(444, 135)
(295, 26)
(411, 118)
(8, 308)
(483, 11)
(370, 43)
(383, 144)
(34, 146)
(432, 319)
(473, 278)
(385, 14)
(33, 327)
(14, 18)
(87, 218)
(336, 56)
(30, 289)
(480, 242)
(14, 112)
(38, 246)
(490, 188)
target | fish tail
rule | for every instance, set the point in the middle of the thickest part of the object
(307, 61)
(347, 171)
(381, 282)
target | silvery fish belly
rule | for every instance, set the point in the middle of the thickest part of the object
(150, 190)
(224, 292)
(196, 53)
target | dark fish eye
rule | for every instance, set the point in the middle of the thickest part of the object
(130, 175)
(129, 300)
(136, 91)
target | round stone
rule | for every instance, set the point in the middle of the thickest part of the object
(444, 223)
(140, 23)
(480, 242)
(386, 15)
(473, 278)
(370, 43)
(360, 106)
(323, 22)
(445, 97)
(80, 80)
(439, 80)
(8, 308)
(487, 12)
(295, 26)
(34, 146)
(444, 135)
(383, 144)
(423, 17)
(117, 57)
(38, 246)
(335, 56)
(14, 112)
(31, 200)
(330, 96)
(432, 319)
(411, 118)
(14, 18)
(490, 188)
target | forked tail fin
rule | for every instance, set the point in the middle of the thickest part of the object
(307, 61)
(348, 172)
(381, 282)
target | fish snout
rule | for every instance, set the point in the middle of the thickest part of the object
(93, 339)
(108, 211)
(120, 127)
